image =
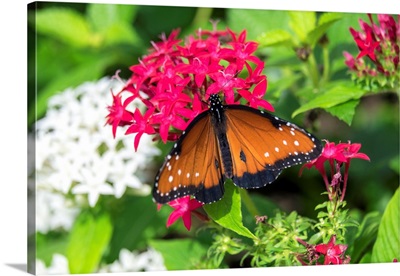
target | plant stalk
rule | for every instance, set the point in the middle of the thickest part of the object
(248, 202)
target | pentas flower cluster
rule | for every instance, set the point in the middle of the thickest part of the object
(175, 79)
(77, 162)
(378, 60)
(336, 156)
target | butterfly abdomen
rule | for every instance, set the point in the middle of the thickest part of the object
(218, 120)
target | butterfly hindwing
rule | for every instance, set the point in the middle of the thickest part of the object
(263, 145)
(193, 167)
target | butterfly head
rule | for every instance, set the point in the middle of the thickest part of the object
(216, 108)
(214, 100)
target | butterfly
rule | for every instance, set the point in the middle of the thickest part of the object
(249, 146)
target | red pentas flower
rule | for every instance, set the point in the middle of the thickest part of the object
(335, 156)
(225, 81)
(255, 98)
(118, 115)
(330, 153)
(330, 252)
(350, 151)
(366, 45)
(378, 57)
(141, 125)
(177, 76)
(333, 253)
(183, 209)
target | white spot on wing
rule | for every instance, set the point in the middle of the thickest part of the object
(170, 178)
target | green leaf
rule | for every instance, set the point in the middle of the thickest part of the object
(227, 212)
(275, 38)
(324, 22)
(276, 88)
(113, 23)
(103, 16)
(256, 22)
(121, 33)
(344, 111)
(182, 254)
(337, 95)
(89, 238)
(49, 244)
(387, 245)
(316, 238)
(64, 24)
(366, 259)
(136, 220)
(365, 237)
(302, 22)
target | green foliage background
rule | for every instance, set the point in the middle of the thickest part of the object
(77, 42)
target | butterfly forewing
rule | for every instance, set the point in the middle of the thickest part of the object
(193, 167)
(262, 145)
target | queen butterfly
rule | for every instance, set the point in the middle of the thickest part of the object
(237, 142)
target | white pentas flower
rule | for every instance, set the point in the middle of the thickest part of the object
(59, 265)
(54, 211)
(149, 260)
(77, 155)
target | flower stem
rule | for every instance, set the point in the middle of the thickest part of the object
(313, 70)
(346, 173)
(326, 181)
(248, 203)
(326, 72)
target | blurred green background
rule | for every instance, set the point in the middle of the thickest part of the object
(71, 43)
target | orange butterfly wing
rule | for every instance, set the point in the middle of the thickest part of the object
(193, 167)
(261, 145)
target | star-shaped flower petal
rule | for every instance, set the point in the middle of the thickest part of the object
(334, 253)
(183, 209)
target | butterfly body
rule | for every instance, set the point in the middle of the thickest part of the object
(236, 142)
